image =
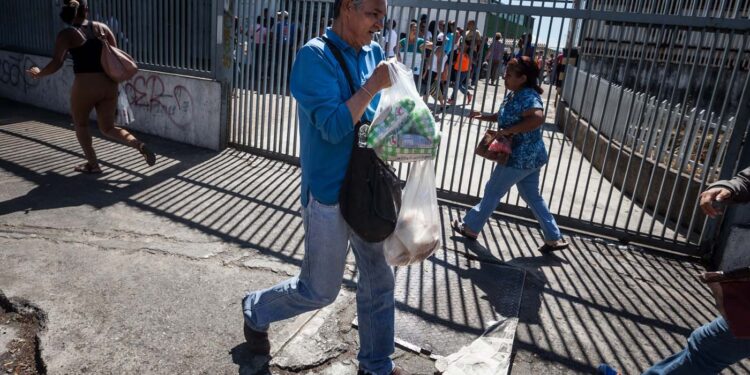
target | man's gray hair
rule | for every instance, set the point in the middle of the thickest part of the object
(337, 6)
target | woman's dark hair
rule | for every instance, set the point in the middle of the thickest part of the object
(73, 9)
(432, 26)
(526, 66)
(451, 27)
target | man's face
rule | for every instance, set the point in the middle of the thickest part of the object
(366, 20)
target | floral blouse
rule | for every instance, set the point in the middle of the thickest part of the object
(528, 150)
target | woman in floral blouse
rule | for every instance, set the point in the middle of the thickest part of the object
(521, 117)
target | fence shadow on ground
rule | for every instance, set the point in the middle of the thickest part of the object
(593, 303)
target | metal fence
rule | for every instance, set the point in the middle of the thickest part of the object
(590, 182)
(28, 26)
(166, 35)
(661, 133)
(176, 36)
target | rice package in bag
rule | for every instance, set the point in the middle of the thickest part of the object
(418, 231)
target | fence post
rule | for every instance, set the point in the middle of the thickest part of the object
(223, 61)
(737, 158)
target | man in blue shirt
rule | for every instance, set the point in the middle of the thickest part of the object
(328, 112)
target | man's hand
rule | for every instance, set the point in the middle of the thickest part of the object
(33, 72)
(380, 78)
(710, 197)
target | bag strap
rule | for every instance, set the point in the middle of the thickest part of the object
(99, 32)
(337, 54)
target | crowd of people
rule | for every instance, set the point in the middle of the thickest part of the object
(443, 55)
(465, 55)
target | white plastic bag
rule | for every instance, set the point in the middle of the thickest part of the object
(417, 233)
(124, 112)
(400, 118)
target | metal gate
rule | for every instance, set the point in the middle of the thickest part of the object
(642, 100)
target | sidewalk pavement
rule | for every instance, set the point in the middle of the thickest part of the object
(141, 269)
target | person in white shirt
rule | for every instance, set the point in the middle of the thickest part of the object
(389, 39)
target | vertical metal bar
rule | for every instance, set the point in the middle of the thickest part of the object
(707, 162)
(250, 71)
(651, 126)
(264, 84)
(640, 126)
(204, 36)
(171, 29)
(248, 124)
(623, 141)
(237, 91)
(480, 58)
(183, 26)
(304, 18)
(162, 35)
(672, 132)
(586, 26)
(280, 65)
(601, 122)
(461, 120)
(559, 91)
(140, 43)
(558, 96)
(271, 80)
(589, 122)
(495, 98)
(295, 19)
(190, 36)
(198, 34)
(692, 128)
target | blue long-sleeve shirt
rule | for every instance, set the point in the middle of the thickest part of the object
(326, 130)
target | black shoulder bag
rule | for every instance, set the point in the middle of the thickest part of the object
(370, 197)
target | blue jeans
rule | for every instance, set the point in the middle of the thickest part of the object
(527, 183)
(460, 84)
(710, 349)
(327, 238)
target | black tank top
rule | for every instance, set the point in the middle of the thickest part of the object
(87, 57)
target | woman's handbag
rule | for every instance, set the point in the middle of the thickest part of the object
(370, 196)
(483, 147)
(117, 64)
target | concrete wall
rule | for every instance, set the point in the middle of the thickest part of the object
(180, 108)
(603, 156)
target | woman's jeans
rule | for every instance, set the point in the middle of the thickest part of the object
(460, 84)
(527, 183)
(327, 238)
(710, 349)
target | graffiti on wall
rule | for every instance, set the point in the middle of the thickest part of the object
(13, 72)
(150, 93)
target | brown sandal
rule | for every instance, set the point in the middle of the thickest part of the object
(88, 168)
(460, 228)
